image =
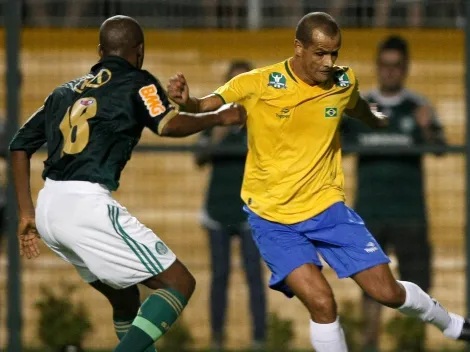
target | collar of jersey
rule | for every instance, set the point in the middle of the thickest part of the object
(298, 80)
(115, 59)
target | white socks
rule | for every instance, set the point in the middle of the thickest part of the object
(419, 304)
(328, 337)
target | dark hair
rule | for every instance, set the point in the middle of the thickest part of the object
(394, 42)
(119, 35)
(312, 21)
(237, 65)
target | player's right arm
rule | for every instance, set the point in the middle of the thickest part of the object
(25, 143)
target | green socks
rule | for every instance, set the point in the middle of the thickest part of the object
(122, 327)
(156, 315)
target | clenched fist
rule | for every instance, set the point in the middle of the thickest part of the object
(178, 89)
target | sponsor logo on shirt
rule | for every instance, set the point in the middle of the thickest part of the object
(277, 80)
(331, 112)
(284, 113)
(152, 101)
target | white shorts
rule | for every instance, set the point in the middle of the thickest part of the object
(85, 226)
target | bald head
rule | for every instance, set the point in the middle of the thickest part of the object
(122, 36)
(315, 21)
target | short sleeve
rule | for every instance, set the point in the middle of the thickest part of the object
(32, 135)
(355, 94)
(241, 87)
(154, 107)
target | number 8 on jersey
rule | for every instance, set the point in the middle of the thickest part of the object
(75, 128)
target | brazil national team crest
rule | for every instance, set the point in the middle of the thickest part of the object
(331, 112)
(161, 248)
(277, 80)
(342, 79)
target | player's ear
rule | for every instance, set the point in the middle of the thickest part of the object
(298, 47)
(140, 55)
(100, 51)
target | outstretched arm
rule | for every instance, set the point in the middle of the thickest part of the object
(186, 124)
(162, 115)
(368, 114)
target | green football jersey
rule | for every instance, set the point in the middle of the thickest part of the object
(390, 187)
(91, 124)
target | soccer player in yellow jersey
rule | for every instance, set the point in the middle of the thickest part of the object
(293, 183)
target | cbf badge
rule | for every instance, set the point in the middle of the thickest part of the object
(342, 79)
(277, 80)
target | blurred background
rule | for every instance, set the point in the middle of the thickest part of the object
(175, 190)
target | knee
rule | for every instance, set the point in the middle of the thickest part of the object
(186, 284)
(176, 277)
(191, 283)
(392, 295)
(322, 307)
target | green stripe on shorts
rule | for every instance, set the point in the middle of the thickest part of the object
(137, 244)
(154, 258)
(113, 214)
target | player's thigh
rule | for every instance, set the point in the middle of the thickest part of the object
(134, 253)
(113, 244)
(283, 249)
(379, 283)
(413, 253)
(54, 221)
(348, 248)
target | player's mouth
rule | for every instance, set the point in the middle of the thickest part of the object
(325, 73)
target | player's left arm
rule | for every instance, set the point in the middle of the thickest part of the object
(360, 109)
(25, 143)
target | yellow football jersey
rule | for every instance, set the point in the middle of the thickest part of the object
(293, 169)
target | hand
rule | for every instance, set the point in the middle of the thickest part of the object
(423, 116)
(28, 237)
(232, 114)
(178, 89)
(381, 120)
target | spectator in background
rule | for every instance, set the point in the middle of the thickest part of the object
(396, 213)
(223, 218)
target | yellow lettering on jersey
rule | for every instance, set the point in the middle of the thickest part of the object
(151, 100)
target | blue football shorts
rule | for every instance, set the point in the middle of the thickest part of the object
(338, 234)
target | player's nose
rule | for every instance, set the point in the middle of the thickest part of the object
(328, 61)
